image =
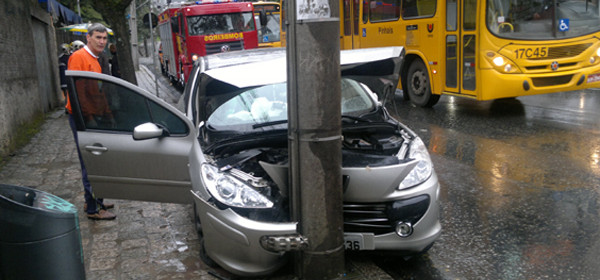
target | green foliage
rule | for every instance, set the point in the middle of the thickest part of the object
(88, 13)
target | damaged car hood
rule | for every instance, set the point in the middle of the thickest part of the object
(223, 76)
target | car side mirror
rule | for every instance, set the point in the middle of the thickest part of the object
(148, 131)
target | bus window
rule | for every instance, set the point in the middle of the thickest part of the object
(469, 62)
(385, 10)
(470, 15)
(418, 8)
(365, 16)
(540, 19)
(451, 61)
(347, 14)
(355, 15)
(451, 15)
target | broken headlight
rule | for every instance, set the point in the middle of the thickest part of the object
(231, 191)
(424, 167)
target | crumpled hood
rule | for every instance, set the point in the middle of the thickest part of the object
(225, 75)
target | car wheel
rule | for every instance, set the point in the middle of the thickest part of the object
(418, 85)
(204, 257)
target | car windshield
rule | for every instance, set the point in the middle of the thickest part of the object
(253, 108)
(542, 19)
(220, 23)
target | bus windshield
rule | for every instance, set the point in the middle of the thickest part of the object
(270, 31)
(542, 19)
(220, 23)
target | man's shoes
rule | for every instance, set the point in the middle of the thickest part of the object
(102, 215)
(106, 206)
(109, 205)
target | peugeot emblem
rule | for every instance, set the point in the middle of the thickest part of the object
(554, 65)
(225, 48)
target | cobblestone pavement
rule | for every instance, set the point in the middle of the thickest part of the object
(146, 240)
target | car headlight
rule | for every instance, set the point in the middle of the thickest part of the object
(422, 171)
(231, 191)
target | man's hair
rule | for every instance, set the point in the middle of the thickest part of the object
(96, 27)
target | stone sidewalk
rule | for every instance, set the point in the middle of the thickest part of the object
(146, 240)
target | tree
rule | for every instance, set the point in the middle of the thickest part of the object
(114, 12)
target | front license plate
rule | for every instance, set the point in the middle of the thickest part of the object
(593, 78)
(354, 242)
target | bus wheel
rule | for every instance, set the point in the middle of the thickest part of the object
(419, 87)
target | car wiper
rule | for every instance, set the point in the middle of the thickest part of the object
(354, 118)
(259, 125)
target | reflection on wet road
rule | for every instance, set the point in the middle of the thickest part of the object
(520, 187)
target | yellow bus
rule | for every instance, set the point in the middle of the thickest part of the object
(267, 16)
(481, 49)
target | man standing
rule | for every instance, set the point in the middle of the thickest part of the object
(86, 59)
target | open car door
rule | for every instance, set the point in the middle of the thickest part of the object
(134, 145)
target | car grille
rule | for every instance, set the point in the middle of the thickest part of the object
(366, 218)
(381, 218)
(224, 47)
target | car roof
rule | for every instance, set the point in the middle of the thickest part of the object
(267, 66)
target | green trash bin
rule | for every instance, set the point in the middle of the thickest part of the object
(39, 236)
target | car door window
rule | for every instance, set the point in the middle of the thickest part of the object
(108, 106)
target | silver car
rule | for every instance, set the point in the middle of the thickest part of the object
(227, 154)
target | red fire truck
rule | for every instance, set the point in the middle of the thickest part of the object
(205, 27)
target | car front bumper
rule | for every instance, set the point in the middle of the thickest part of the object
(234, 241)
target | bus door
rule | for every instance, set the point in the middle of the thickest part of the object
(461, 39)
(350, 37)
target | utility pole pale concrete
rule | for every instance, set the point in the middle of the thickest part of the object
(134, 36)
(314, 131)
(150, 22)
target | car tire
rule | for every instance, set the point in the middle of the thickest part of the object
(418, 85)
(204, 257)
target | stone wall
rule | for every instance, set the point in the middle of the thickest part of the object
(29, 85)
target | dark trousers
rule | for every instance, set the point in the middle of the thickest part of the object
(93, 204)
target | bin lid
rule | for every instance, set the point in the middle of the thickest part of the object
(29, 215)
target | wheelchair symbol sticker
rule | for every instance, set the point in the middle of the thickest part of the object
(563, 24)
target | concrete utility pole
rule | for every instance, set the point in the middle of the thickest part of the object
(314, 114)
(153, 47)
(134, 36)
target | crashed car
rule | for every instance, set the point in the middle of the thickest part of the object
(227, 154)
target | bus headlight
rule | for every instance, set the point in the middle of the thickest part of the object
(501, 63)
(594, 58)
(194, 57)
(498, 61)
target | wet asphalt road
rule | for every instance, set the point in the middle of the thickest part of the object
(520, 187)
